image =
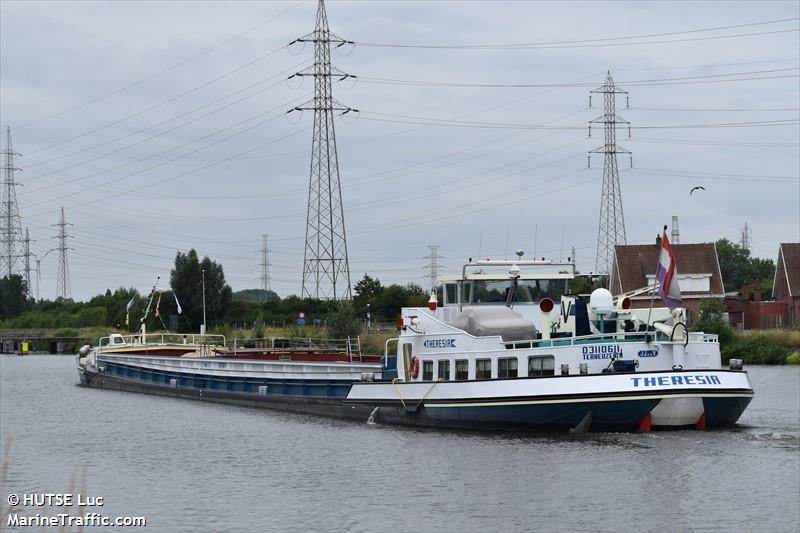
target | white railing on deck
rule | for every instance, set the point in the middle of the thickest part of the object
(163, 339)
(607, 337)
(350, 346)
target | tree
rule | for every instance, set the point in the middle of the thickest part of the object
(258, 296)
(186, 280)
(738, 268)
(367, 291)
(13, 296)
(711, 319)
(391, 299)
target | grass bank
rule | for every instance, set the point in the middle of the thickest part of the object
(764, 347)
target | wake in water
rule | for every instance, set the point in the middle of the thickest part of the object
(371, 419)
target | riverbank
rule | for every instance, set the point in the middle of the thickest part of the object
(759, 347)
(763, 347)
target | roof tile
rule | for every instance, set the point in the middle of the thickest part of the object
(636, 261)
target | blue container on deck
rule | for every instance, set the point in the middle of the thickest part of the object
(625, 365)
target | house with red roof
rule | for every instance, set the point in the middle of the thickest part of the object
(786, 285)
(699, 275)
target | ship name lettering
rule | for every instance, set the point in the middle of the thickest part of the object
(663, 381)
(440, 343)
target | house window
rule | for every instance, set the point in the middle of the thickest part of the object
(483, 369)
(444, 370)
(541, 366)
(507, 367)
(427, 371)
(462, 370)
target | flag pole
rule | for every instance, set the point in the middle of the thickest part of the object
(655, 281)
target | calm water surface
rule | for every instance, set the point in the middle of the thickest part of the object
(192, 466)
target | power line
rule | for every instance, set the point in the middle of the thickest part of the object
(171, 119)
(409, 119)
(182, 174)
(753, 144)
(160, 104)
(160, 72)
(168, 150)
(707, 78)
(600, 42)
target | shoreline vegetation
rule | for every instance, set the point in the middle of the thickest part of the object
(760, 347)
(244, 316)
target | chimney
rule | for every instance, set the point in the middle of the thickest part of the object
(658, 241)
(745, 292)
(757, 291)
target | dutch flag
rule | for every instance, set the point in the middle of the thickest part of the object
(667, 275)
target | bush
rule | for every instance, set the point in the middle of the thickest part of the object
(793, 359)
(769, 347)
(66, 332)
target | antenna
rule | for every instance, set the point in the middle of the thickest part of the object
(62, 283)
(611, 230)
(10, 222)
(326, 269)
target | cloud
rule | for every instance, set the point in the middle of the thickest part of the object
(404, 185)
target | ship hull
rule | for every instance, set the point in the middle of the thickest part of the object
(308, 405)
(559, 403)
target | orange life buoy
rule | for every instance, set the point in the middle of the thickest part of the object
(413, 368)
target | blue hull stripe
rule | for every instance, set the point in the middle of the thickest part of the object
(275, 387)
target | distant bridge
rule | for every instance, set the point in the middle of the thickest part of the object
(39, 340)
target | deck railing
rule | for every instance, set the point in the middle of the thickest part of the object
(161, 339)
(632, 336)
(350, 345)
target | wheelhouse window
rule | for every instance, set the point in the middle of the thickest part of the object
(483, 369)
(427, 371)
(507, 367)
(444, 369)
(462, 370)
(541, 366)
(450, 293)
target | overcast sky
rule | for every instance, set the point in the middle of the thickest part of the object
(160, 126)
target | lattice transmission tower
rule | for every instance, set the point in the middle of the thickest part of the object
(26, 258)
(746, 240)
(10, 221)
(326, 269)
(433, 265)
(612, 220)
(62, 283)
(265, 277)
(676, 233)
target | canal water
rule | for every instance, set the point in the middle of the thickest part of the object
(191, 466)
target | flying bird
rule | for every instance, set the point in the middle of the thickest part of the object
(695, 188)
